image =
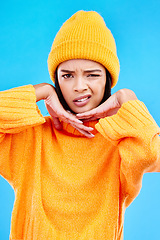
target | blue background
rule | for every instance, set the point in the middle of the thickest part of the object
(27, 30)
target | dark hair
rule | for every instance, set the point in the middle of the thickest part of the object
(107, 92)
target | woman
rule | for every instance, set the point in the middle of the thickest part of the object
(74, 173)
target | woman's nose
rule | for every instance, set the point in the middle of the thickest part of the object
(80, 85)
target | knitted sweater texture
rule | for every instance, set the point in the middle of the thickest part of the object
(69, 187)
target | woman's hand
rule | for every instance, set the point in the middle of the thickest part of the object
(110, 106)
(57, 112)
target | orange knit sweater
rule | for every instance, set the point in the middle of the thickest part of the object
(69, 187)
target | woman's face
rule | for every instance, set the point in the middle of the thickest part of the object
(82, 83)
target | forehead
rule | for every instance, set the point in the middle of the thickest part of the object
(81, 64)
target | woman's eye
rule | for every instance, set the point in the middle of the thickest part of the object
(66, 76)
(93, 75)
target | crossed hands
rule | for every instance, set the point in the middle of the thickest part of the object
(58, 113)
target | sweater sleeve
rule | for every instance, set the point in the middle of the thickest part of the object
(136, 134)
(18, 110)
(18, 114)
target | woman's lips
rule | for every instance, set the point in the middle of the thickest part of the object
(82, 100)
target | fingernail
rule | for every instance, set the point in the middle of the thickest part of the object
(91, 135)
(78, 114)
(79, 121)
(91, 129)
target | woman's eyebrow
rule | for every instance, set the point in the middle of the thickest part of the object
(86, 71)
(93, 70)
(68, 71)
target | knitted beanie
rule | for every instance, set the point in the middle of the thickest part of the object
(85, 36)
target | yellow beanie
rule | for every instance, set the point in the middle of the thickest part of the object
(85, 36)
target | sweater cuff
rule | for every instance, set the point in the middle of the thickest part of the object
(131, 120)
(18, 109)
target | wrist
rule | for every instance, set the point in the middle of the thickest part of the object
(125, 95)
(43, 91)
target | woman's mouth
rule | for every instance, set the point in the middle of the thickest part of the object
(82, 101)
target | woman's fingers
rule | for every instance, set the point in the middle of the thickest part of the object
(98, 112)
(69, 117)
(58, 114)
(87, 115)
(92, 114)
(82, 127)
(57, 123)
(84, 132)
(55, 109)
(110, 106)
(90, 119)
